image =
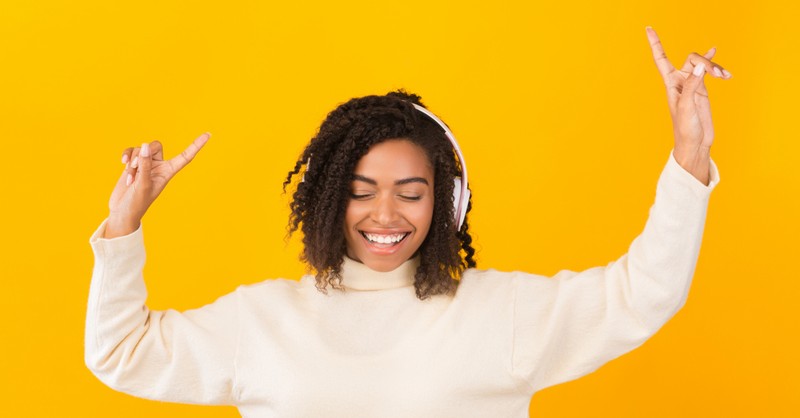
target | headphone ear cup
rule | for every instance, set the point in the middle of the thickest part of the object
(456, 196)
(459, 202)
(465, 201)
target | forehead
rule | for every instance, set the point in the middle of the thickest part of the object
(395, 159)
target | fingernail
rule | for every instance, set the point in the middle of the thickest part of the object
(699, 69)
(717, 72)
(129, 180)
(124, 158)
(727, 73)
(145, 151)
(134, 162)
(204, 138)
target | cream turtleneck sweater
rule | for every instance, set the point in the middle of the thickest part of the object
(281, 348)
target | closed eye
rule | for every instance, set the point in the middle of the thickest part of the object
(368, 195)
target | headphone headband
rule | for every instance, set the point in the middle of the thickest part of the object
(461, 192)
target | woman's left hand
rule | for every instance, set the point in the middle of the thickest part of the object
(689, 105)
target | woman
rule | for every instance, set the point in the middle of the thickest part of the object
(384, 328)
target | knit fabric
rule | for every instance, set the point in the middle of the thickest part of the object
(281, 348)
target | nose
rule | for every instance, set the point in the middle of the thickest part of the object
(384, 211)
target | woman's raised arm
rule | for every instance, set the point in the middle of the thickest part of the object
(165, 355)
(571, 324)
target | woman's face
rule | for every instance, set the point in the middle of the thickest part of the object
(391, 205)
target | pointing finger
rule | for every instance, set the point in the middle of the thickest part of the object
(185, 157)
(659, 56)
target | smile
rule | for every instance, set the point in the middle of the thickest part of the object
(384, 240)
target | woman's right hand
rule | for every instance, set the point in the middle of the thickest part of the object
(145, 176)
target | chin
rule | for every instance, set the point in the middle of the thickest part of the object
(383, 266)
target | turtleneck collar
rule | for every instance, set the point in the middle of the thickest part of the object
(357, 276)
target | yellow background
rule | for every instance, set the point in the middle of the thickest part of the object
(559, 109)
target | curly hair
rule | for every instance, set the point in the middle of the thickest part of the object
(320, 199)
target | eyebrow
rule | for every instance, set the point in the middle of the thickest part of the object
(359, 177)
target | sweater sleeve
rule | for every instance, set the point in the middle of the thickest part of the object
(167, 355)
(571, 324)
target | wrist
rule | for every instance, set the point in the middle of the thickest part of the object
(696, 161)
(118, 226)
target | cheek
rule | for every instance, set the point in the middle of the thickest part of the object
(349, 218)
(353, 215)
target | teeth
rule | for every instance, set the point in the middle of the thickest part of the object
(384, 239)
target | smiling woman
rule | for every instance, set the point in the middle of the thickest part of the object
(383, 171)
(411, 328)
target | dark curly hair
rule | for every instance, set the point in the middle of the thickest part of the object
(320, 200)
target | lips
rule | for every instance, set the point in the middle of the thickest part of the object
(382, 243)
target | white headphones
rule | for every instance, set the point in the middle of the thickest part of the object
(461, 192)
